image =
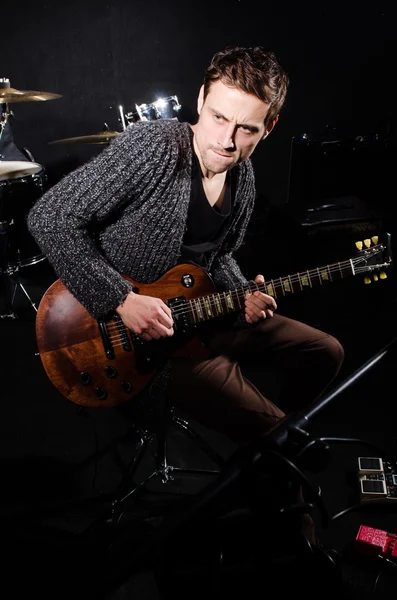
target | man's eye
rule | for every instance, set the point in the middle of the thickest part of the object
(246, 129)
(218, 117)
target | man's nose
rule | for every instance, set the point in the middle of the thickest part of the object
(226, 137)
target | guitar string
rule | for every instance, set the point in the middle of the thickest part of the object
(236, 294)
(114, 328)
(292, 278)
(275, 283)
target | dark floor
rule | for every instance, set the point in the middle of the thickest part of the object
(65, 535)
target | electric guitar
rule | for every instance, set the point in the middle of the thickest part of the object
(100, 363)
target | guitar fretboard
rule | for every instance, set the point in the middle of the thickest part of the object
(220, 304)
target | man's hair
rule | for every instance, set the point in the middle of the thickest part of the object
(252, 70)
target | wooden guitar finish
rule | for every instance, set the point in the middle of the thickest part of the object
(100, 363)
(72, 347)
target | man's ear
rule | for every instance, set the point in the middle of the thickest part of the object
(200, 99)
(270, 127)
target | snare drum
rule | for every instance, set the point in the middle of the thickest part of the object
(163, 108)
(21, 184)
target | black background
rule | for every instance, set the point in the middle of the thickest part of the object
(340, 57)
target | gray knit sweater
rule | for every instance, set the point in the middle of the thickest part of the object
(125, 212)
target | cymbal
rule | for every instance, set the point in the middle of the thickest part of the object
(8, 95)
(104, 137)
(12, 169)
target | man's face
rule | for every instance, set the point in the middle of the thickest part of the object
(230, 125)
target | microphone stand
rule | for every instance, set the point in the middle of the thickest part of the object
(284, 439)
(298, 421)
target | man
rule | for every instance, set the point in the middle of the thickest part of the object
(163, 193)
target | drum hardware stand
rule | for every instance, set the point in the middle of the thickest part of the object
(5, 113)
(28, 154)
(7, 273)
(122, 118)
(4, 117)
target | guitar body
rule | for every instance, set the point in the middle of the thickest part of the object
(73, 353)
(100, 363)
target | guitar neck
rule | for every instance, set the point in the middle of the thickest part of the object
(215, 305)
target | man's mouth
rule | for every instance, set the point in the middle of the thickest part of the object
(221, 153)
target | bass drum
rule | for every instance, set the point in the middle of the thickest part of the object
(21, 184)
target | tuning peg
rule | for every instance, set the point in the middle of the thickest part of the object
(367, 242)
(367, 280)
(383, 275)
(359, 245)
(375, 277)
(375, 239)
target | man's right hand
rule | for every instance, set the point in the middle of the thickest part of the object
(148, 317)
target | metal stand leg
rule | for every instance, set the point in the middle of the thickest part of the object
(111, 507)
(5, 272)
(19, 284)
(130, 488)
(9, 274)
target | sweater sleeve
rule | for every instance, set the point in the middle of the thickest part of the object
(61, 220)
(227, 273)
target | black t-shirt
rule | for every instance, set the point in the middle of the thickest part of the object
(206, 225)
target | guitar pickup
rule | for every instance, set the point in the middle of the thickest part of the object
(180, 313)
(107, 345)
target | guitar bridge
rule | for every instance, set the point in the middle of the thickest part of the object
(122, 333)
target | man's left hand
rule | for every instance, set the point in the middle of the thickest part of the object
(259, 306)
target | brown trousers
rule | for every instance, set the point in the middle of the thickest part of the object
(216, 393)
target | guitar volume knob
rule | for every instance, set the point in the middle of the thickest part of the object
(85, 378)
(110, 372)
(126, 387)
(101, 393)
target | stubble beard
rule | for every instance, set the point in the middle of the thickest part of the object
(211, 165)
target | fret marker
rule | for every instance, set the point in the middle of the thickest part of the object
(198, 310)
(270, 289)
(324, 275)
(218, 305)
(229, 301)
(304, 279)
(207, 307)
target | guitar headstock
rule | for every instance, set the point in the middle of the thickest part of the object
(374, 258)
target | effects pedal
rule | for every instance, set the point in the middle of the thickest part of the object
(377, 479)
(376, 542)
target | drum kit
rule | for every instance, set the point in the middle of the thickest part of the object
(23, 181)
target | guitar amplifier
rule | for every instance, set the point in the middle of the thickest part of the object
(336, 163)
(334, 220)
(326, 197)
(330, 230)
